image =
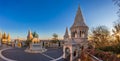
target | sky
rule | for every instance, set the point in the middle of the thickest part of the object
(52, 16)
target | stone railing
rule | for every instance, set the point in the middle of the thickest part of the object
(93, 57)
(86, 57)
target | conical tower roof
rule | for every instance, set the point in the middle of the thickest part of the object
(30, 36)
(4, 36)
(79, 21)
(8, 36)
(66, 33)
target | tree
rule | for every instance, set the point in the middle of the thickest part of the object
(116, 30)
(55, 38)
(117, 3)
(99, 36)
(35, 35)
(116, 26)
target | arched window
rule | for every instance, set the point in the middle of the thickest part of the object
(75, 53)
(83, 34)
(80, 33)
(75, 34)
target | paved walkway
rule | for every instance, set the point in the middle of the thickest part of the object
(3, 47)
(19, 55)
(3, 57)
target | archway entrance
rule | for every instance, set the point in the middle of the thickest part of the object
(67, 54)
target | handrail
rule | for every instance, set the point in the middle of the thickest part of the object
(94, 57)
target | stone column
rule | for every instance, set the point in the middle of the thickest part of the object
(64, 51)
(71, 54)
(78, 33)
(71, 57)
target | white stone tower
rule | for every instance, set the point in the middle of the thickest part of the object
(79, 33)
(79, 30)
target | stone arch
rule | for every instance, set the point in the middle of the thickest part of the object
(67, 50)
(80, 33)
(72, 34)
(75, 52)
(75, 34)
(83, 34)
(67, 54)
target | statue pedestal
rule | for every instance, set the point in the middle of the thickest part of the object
(35, 48)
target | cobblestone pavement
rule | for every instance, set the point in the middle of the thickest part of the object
(19, 54)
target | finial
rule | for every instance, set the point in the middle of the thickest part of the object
(66, 33)
(29, 29)
(79, 5)
(66, 28)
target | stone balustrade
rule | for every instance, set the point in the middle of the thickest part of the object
(93, 57)
(86, 57)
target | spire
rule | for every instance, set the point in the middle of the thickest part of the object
(79, 21)
(8, 37)
(30, 36)
(0, 35)
(4, 36)
(66, 33)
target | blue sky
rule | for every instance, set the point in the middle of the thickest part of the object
(52, 16)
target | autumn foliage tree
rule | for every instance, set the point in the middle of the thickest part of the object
(116, 30)
(117, 3)
(99, 36)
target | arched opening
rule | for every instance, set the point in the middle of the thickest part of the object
(75, 33)
(75, 53)
(67, 54)
(80, 33)
(83, 34)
